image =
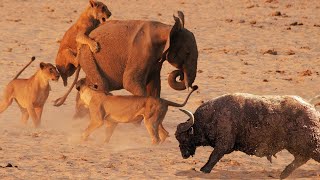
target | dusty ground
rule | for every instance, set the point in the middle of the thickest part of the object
(234, 38)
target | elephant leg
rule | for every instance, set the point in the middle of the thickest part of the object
(154, 85)
(152, 89)
(136, 87)
(94, 73)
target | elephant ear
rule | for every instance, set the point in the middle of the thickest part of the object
(181, 17)
(178, 26)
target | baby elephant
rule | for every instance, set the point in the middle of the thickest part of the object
(255, 125)
(30, 94)
(111, 110)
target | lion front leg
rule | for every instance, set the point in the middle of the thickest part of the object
(84, 39)
(70, 56)
(34, 116)
(110, 126)
(94, 124)
(96, 119)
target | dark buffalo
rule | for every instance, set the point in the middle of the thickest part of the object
(256, 125)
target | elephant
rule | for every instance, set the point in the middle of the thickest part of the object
(132, 53)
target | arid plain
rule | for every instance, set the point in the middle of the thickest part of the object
(254, 46)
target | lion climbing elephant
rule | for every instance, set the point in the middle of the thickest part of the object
(132, 53)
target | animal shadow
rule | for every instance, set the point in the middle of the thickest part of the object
(225, 174)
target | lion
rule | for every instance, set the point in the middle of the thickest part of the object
(95, 14)
(113, 109)
(30, 94)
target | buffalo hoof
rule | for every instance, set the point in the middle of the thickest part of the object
(284, 175)
(205, 169)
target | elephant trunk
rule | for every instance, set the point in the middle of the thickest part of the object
(63, 74)
(172, 80)
(64, 79)
(186, 80)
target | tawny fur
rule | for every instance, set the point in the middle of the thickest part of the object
(95, 14)
(30, 94)
(256, 125)
(111, 110)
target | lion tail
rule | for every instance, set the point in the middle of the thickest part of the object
(32, 59)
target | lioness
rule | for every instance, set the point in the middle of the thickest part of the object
(125, 109)
(30, 94)
(95, 14)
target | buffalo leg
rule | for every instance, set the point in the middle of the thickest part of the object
(224, 144)
(215, 156)
(297, 162)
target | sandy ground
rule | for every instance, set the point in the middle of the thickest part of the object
(233, 37)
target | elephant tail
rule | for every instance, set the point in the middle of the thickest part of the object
(170, 103)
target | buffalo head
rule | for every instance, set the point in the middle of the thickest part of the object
(185, 136)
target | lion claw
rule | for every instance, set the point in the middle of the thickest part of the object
(95, 47)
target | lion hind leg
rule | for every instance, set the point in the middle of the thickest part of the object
(152, 124)
(25, 116)
(34, 116)
(163, 133)
(91, 127)
(84, 39)
(7, 99)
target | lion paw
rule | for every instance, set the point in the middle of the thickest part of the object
(95, 47)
